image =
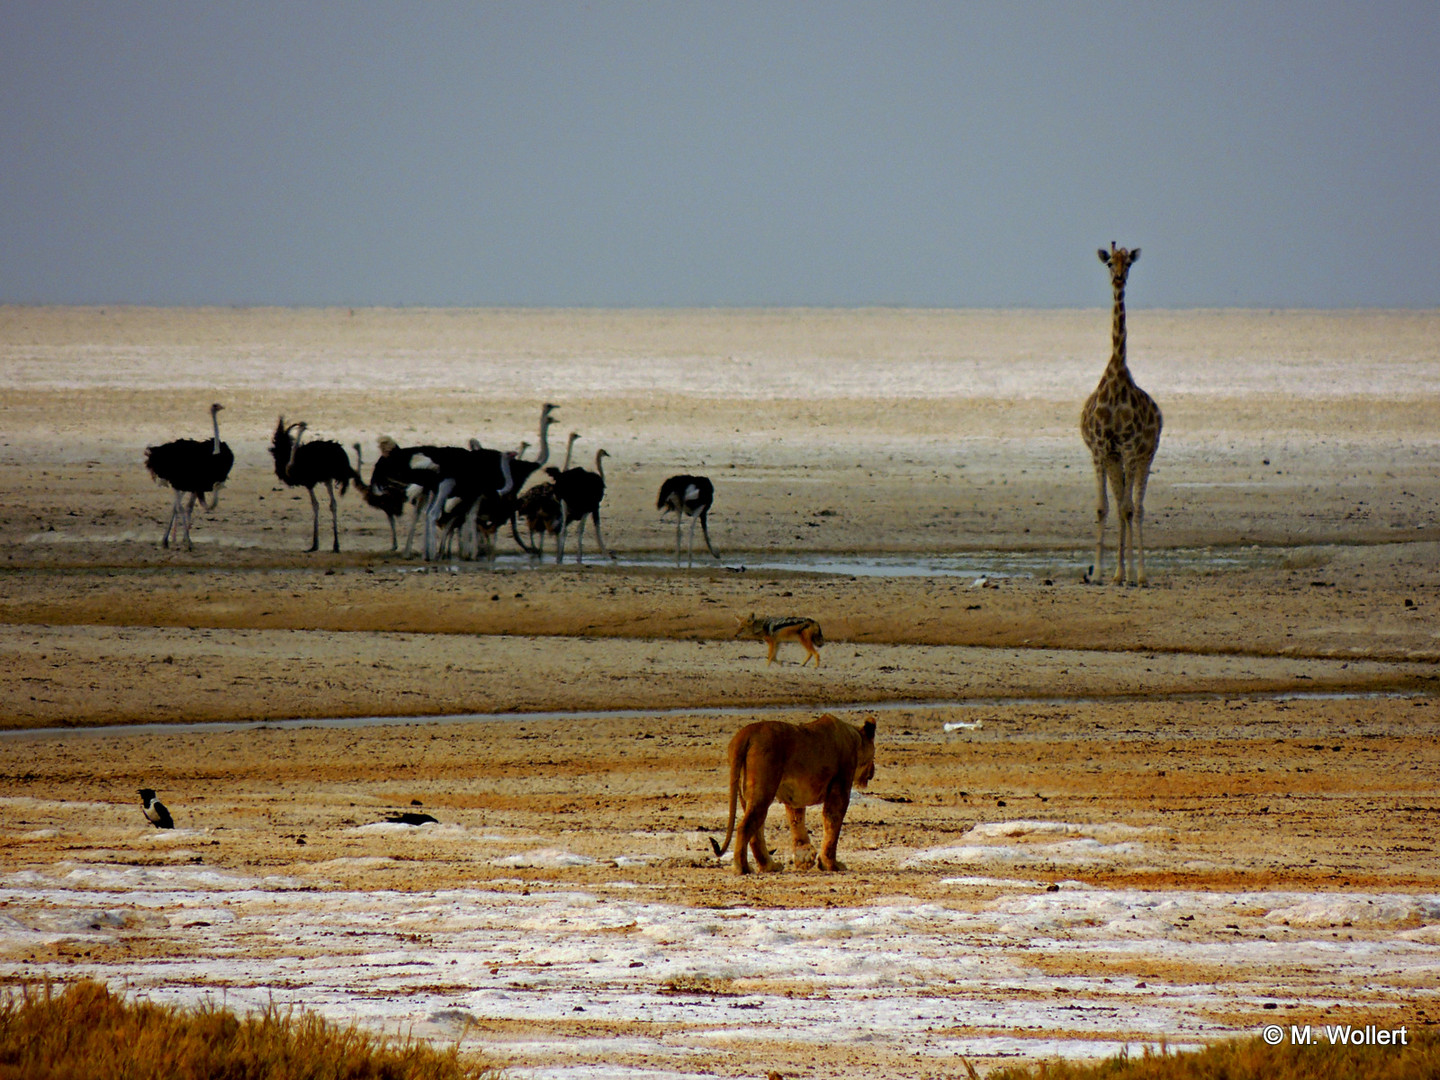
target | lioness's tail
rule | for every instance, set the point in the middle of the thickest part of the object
(738, 750)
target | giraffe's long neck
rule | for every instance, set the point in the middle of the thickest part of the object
(1117, 333)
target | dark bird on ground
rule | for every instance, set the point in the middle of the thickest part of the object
(155, 810)
(692, 496)
(302, 464)
(410, 817)
(193, 468)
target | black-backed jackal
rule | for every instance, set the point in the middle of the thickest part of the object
(772, 631)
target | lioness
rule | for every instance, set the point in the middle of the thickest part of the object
(801, 765)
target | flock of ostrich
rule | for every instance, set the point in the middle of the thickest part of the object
(467, 494)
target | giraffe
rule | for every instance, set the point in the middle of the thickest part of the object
(1121, 425)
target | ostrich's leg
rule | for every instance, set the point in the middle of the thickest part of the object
(705, 528)
(314, 521)
(421, 505)
(432, 516)
(595, 516)
(189, 509)
(174, 513)
(334, 517)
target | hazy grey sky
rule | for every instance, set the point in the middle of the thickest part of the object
(538, 153)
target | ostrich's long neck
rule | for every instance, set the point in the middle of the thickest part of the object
(544, 441)
(600, 463)
(1117, 331)
(215, 420)
(505, 472)
(294, 447)
(569, 448)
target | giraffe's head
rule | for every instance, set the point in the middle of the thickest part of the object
(1119, 260)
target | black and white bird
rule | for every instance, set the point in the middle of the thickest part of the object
(194, 468)
(155, 810)
(491, 509)
(692, 496)
(302, 464)
(580, 492)
(387, 496)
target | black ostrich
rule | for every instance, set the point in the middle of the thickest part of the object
(389, 496)
(409, 468)
(433, 475)
(193, 467)
(462, 475)
(693, 496)
(155, 811)
(302, 464)
(493, 508)
(487, 509)
(580, 492)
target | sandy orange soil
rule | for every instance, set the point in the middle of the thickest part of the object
(1265, 711)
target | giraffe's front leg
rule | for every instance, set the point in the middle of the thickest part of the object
(1141, 479)
(1116, 473)
(1102, 511)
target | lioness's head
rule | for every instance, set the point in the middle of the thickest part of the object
(865, 763)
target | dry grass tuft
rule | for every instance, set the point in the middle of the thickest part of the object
(86, 1032)
(1252, 1059)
